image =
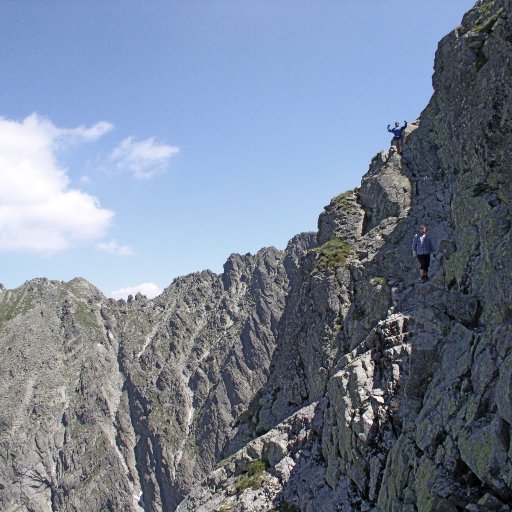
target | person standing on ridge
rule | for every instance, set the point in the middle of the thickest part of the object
(422, 248)
(398, 135)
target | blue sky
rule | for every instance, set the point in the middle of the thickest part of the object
(143, 140)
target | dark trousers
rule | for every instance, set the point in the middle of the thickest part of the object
(424, 260)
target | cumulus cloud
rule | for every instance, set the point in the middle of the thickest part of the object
(144, 158)
(39, 212)
(150, 290)
(113, 247)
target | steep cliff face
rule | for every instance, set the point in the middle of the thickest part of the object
(324, 377)
(412, 409)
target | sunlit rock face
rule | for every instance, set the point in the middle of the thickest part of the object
(412, 411)
(324, 377)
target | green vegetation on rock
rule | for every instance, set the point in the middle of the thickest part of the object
(345, 200)
(253, 478)
(425, 479)
(333, 254)
(85, 317)
(13, 304)
(486, 8)
(484, 24)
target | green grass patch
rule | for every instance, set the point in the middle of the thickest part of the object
(485, 25)
(253, 477)
(485, 9)
(346, 200)
(332, 255)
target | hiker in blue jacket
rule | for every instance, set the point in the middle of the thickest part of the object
(422, 248)
(398, 136)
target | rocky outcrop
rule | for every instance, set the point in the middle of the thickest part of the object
(302, 459)
(324, 377)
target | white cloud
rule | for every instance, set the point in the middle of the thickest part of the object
(150, 290)
(113, 247)
(39, 212)
(89, 134)
(144, 158)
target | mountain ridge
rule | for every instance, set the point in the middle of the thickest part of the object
(321, 377)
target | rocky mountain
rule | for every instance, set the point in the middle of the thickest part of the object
(124, 405)
(324, 377)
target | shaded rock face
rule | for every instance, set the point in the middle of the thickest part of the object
(324, 377)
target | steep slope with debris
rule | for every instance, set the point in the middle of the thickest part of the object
(399, 395)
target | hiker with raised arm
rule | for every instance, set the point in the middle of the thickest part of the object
(422, 248)
(398, 136)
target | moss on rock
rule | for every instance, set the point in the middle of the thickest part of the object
(253, 478)
(332, 255)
